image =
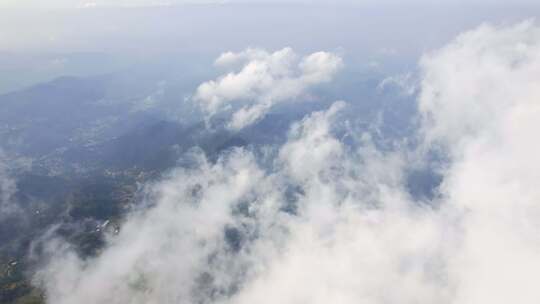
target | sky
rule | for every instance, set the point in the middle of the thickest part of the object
(63, 4)
(39, 42)
(235, 26)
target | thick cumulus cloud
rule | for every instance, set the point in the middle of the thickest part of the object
(481, 102)
(333, 222)
(259, 79)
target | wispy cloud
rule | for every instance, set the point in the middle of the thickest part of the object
(406, 83)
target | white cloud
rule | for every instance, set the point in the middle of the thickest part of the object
(355, 235)
(160, 255)
(406, 83)
(311, 145)
(480, 101)
(177, 251)
(263, 80)
(472, 83)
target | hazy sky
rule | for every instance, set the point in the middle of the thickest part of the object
(38, 39)
(233, 27)
(128, 3)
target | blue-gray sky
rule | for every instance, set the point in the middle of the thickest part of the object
(106, 26)
(131, 3)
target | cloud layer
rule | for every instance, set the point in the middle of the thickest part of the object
(330, 222)
(263, 80)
